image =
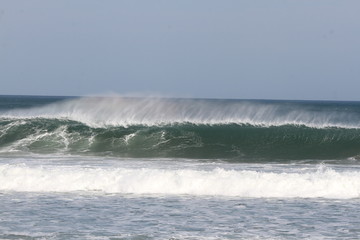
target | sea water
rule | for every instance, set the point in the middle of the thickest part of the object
(154, 168)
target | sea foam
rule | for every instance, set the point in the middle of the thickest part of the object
(320, 183)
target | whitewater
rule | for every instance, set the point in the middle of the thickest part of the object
(161, 168)
(302, 181)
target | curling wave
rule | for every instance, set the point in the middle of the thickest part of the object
(171, 128)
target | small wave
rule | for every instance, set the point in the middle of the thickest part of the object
(320, 183)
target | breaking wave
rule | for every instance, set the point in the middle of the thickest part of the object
(151, 127)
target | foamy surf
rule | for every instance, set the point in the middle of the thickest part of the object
(323, 182)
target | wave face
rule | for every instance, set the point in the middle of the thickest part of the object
(235, 130)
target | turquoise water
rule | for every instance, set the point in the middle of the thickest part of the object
(135, 168)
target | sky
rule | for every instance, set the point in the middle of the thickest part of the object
(245, 49)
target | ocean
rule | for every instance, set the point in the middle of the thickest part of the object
(164, 168)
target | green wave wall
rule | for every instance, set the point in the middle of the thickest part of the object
(233, 142)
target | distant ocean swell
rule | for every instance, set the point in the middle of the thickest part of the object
(230, 130)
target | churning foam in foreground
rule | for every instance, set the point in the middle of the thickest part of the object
(320, 183)
(118, 111)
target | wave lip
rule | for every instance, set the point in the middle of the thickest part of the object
(322, 183)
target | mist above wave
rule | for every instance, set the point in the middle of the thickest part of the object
(120, 111)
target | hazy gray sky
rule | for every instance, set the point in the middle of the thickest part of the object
(269, 49)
